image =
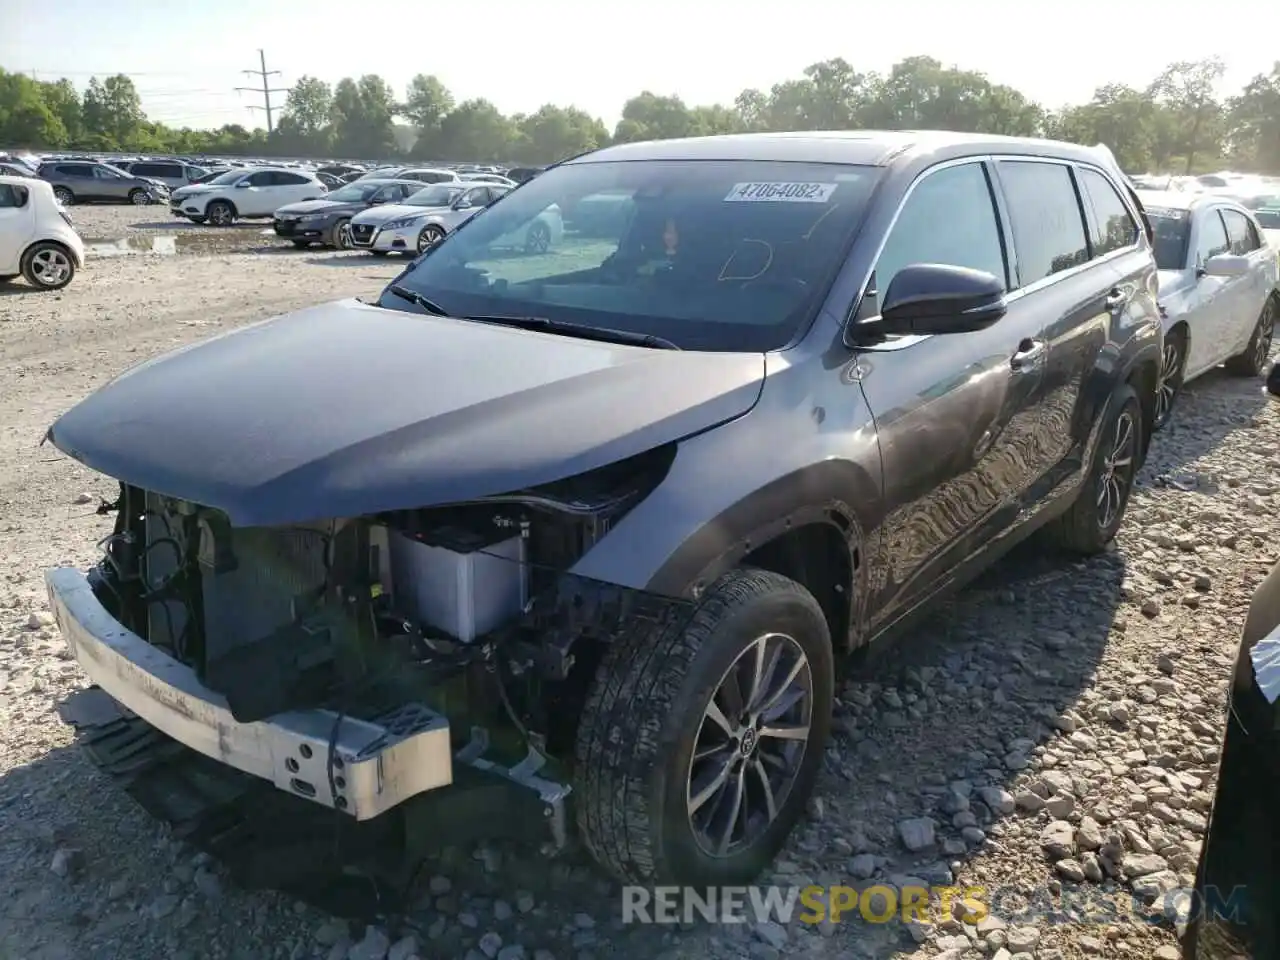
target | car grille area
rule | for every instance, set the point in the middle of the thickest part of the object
(362, 233)
(236, 604)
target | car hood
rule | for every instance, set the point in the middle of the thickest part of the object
(346, 409)
(192, 190)
(392, 211)
(320, 206)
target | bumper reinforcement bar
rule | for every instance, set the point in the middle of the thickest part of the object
(377, 765)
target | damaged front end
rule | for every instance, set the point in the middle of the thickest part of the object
(363, 663)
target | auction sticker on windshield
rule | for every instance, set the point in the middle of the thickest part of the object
(781, 192)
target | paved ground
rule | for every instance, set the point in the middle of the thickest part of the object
(1054, 731)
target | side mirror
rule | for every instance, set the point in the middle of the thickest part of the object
(925, 299)
(1273, 381)
(243, 185)
(1226, 265)
(462, 205)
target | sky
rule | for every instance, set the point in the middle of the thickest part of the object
(186, 59)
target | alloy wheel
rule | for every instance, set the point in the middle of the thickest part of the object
(344, 235)
(1170, 380)
(50, 267)
(429, 237)
(750, 744)
(139, 198)
(1117, 470)
(1266, 331)
(219, 215)
(538, 239)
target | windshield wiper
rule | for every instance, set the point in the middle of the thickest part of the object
(606, 334)
(414, 297)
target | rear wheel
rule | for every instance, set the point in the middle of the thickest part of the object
(64, 196)
(220, 213)
(702, 737)
(1094, 518)
(1173, 365)
(48, 266)
(1253, 362)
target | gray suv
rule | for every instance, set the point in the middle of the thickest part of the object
(590, 526)
(171, 173)
(82, 181)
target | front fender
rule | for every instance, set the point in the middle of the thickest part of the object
(787, 463)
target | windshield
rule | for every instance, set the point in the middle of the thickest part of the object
(1172, 229)
(711, 255)
(118, 171)
(436, 196)
(355, 192)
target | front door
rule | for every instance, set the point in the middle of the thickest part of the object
(958, 417)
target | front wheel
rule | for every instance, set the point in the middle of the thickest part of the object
(64, 196)
(1173, 365)
(702, 738)
(340, 237)
(48, 266)
(139, 197)
(429, 237)
(1253, 362)
(1094, 518)
(538, 239)
(220, 213)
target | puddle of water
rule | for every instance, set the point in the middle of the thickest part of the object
(101, 247)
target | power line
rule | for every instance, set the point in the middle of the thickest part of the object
(267, 90)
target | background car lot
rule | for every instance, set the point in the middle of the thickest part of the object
(1088, 683)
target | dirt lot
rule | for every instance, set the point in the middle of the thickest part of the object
(1051, 706)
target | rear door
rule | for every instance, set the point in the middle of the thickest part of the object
(1077, 287)
(79, 180)
(294, 187)
(962, 434)
(16, 225)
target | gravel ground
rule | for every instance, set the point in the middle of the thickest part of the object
(1054, 730)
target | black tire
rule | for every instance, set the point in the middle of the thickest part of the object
(429, 236)
(220, 213)
(139, 197)
(302, 244)
(647, 710)
(340, 236)
(1253, 362)
(1173, 365)
(538, 239)
(1085, 528)
(64, 196)
(48, 266)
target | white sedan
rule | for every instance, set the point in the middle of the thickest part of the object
(427, 217)
(1218, 289)
(37, 239)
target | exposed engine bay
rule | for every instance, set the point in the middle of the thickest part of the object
(465, 607)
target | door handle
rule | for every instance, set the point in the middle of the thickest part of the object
(1116, 299)
(1029, 354)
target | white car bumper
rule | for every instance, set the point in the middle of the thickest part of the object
(404, 240)
(375, 765)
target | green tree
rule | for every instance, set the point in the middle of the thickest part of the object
(427, 102)
(362, 117)
(553, 133)
(1254, 122)
(477, 131)
(1193, 120)
(304, 124)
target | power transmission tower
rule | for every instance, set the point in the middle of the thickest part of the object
(267, 90)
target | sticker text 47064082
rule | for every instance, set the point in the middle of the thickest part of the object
(781, 192)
